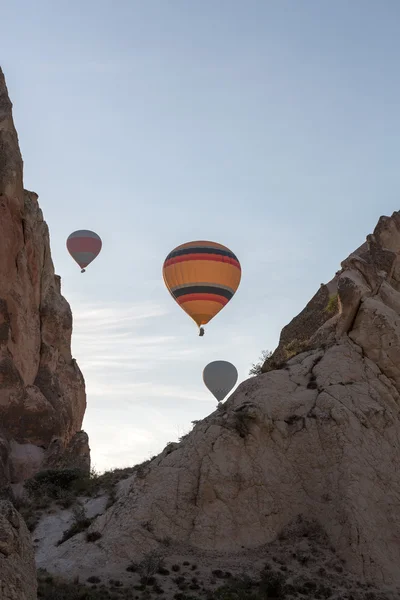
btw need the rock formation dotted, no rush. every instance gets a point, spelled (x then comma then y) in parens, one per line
(17, 565)
(42, 391)
(317, 438)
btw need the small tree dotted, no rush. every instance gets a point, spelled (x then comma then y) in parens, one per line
(256, 367)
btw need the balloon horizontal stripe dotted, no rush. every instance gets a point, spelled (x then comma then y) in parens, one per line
(202, 283)
(204, 257)
(204, 297)
(203, 289)
(201, 250)
(84, 244)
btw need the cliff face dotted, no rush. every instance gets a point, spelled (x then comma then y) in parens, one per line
(42, 391)
(17, 565)
(318, 438)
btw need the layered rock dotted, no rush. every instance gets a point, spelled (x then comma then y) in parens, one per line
(318, 438)
(42, 391)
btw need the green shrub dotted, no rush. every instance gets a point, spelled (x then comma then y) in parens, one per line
(81, 523)
(256, 368)
(294, 347)
(55, 588)
(333, 304)
(150, 564)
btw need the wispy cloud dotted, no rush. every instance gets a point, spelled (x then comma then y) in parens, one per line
(121, 336)
(148, 389)
(134, 396)
(116, 313)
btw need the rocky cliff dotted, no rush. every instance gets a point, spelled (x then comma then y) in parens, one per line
(316, 439)
(42, 391)
(17, 566)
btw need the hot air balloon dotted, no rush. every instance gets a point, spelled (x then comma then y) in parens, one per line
(220, 377)
(202, 277)
(84, 245)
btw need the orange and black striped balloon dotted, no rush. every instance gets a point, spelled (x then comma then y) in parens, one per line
(202, 277)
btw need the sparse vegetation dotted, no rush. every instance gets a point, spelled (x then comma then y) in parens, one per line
(256, 368)
(333, 304)
(93, 536)
(62, 487)
(242, 421)
(81, 523)
(54, 588)
(150, 565)
(52, 486)
(301, 564)
(294, 347)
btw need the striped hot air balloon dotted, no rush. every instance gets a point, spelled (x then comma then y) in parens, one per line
(84, 245)
(202, 277)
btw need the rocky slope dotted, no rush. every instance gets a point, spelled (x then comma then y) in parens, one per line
(42, 391)
(317, 439)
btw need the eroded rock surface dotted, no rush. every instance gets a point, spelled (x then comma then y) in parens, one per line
(17, 564)
(42, 391)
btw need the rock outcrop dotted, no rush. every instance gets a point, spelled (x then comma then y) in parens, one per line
(42, 391)
(17, 564)
(318, 438)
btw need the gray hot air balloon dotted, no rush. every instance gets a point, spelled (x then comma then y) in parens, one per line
(220, 377)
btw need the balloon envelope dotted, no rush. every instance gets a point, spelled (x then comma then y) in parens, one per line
(220, 378)
(84, 245)
(202, 277)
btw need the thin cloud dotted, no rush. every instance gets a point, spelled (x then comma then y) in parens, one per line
(146, 389)
(116, 313)
(138, 383)
(121, 336)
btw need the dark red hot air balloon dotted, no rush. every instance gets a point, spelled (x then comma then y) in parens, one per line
(84, 245)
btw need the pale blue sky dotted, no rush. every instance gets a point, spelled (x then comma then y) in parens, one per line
(272, 127)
